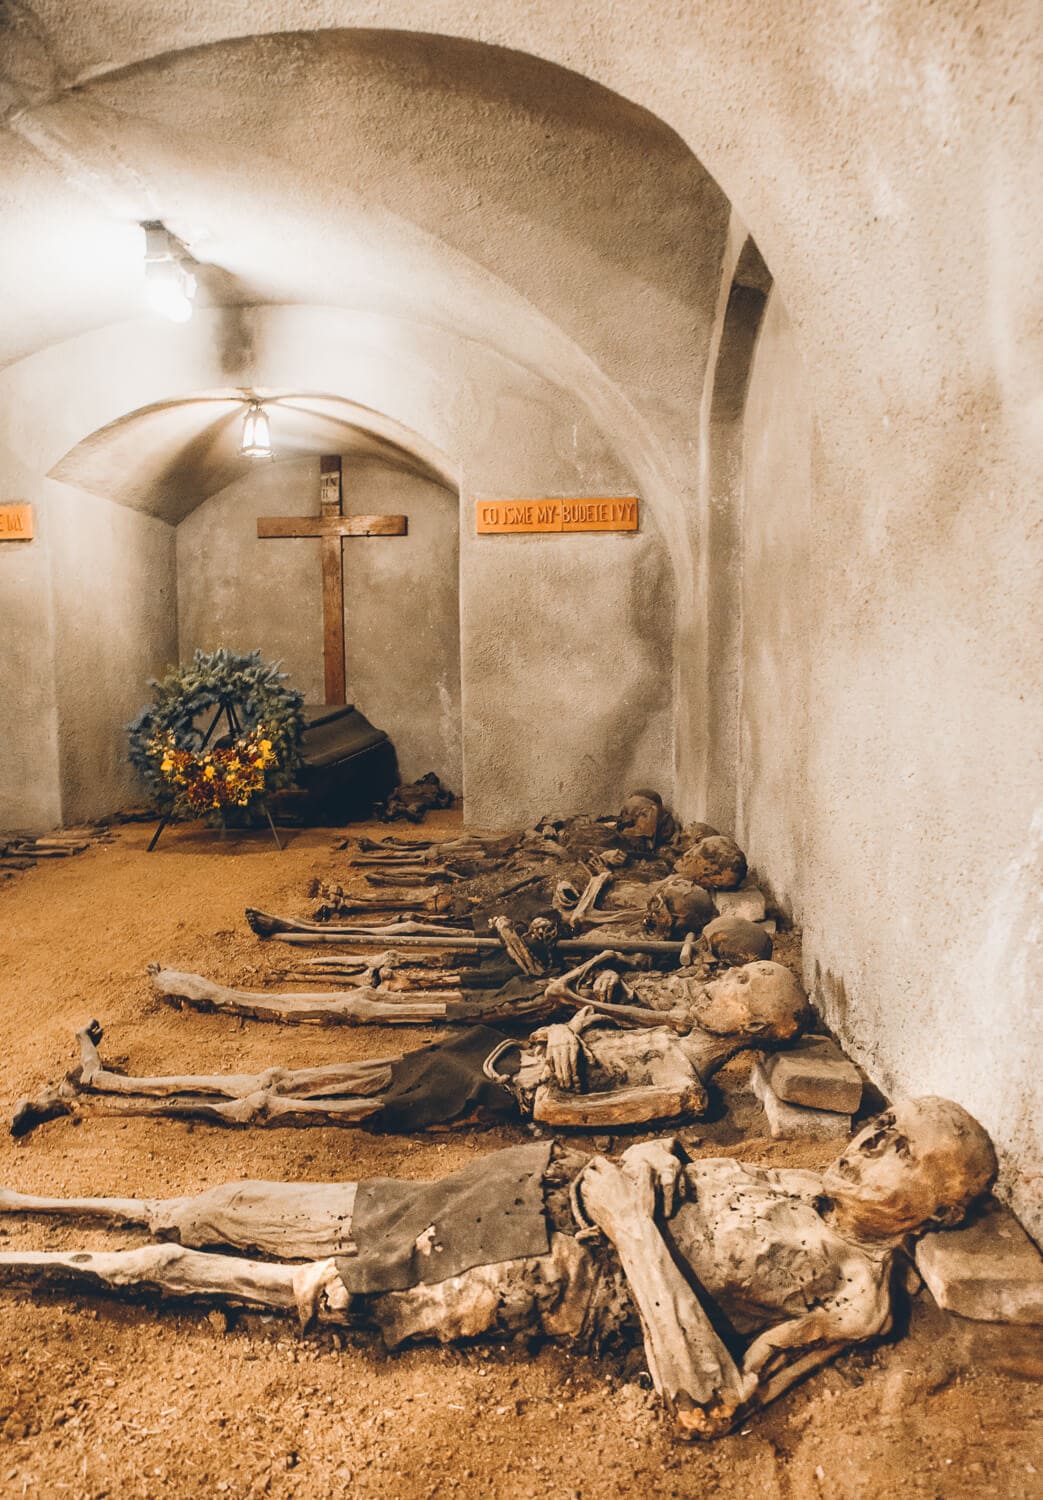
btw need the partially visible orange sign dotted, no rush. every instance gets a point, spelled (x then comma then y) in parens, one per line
(16, 523)
(503, 517)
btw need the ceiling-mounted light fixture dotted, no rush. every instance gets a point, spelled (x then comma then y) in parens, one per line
(169, 284)
(257, 434)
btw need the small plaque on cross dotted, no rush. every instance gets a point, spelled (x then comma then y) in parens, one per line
(331, 526)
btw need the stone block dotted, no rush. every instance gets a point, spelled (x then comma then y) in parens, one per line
(793, 1121)
(815, 1073)
(748, 903)
(989, 1270)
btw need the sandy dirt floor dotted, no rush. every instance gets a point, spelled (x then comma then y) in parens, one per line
(109, 1399)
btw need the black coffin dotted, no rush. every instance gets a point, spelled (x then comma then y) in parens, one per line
(346, 765)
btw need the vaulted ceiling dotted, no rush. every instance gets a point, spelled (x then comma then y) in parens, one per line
(441, 183)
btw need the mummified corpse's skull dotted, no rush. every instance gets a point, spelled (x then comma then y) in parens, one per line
(677, 907)
(643, 821)
(716, 862)
(758, 999)
(733, 940)
(919, 1164)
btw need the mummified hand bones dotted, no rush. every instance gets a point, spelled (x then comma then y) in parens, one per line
(797, 1264)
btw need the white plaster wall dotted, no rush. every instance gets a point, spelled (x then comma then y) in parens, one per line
(779, 607)
(402, 628)
(889, 777)
(115, 627)
(29, 781)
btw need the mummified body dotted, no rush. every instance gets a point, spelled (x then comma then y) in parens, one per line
(586, 1073)
(793, 1265)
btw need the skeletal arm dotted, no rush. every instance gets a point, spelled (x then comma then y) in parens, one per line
(564, 1044)
(691, 1369)
(859, 1309)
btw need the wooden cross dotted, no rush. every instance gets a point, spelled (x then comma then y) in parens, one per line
(332, 526)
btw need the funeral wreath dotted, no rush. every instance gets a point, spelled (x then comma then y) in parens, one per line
(258, 727)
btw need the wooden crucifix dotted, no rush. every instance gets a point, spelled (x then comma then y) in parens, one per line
(331, 525)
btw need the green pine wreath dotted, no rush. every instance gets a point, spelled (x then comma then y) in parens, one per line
(185, 701)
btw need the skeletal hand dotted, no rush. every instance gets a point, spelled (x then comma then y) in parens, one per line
(609, 1198)
(563, 1049)
(605, 985)
(649, 1177)
(658, 1173)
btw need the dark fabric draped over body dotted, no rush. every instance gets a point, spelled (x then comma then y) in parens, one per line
(491, 1211)
(437, 1084)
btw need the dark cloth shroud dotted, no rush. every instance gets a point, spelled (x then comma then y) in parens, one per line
(491, 1211)
(437, 1084)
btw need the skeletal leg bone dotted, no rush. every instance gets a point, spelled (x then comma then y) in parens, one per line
(353, 1007)
(350, 1007)
(295, 1220)
(420, 935)
(261, 1107)
(330, 1080)
(334, 1093)
(266, 926)
(166, 1271)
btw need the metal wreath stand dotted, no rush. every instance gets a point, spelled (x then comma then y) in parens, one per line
(226, 708)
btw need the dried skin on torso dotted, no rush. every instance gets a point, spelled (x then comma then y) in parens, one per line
(757, 1243)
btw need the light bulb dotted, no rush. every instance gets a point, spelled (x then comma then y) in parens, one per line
(257, 436)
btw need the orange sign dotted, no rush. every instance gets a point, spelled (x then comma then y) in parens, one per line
(504, 517)
(16, 523)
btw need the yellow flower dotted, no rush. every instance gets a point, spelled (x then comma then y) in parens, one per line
(209, 773)
(166, 764)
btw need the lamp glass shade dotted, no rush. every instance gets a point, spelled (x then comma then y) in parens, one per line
(257, 435)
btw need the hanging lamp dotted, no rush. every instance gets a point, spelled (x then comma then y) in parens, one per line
(257, 433)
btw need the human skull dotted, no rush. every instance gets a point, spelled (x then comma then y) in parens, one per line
(761, 999)
(918, 1165)
(643, 820)
(716, 862)
(543, 931)
(694, 833)
(733, 940)
(678, 906)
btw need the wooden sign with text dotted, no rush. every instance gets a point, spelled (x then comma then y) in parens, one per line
(16, 523)
(506, 517)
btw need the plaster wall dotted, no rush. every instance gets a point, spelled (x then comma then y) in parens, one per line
(115, 626)
(29, 783)
(568, 645)
(778, 610)
(401, 595)
(889, 770)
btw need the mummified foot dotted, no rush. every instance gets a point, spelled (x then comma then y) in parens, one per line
(50, 1105)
